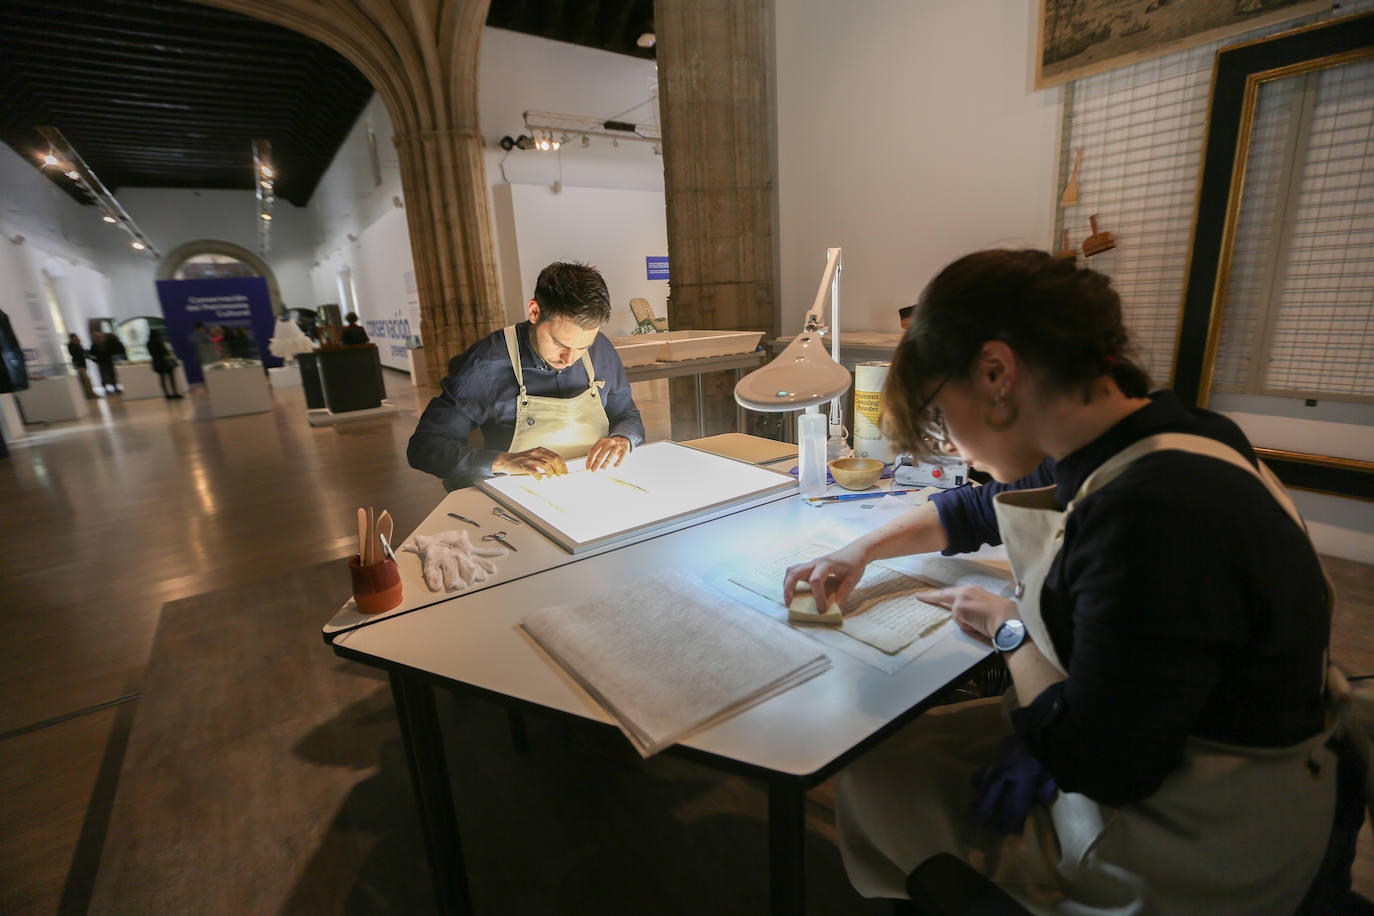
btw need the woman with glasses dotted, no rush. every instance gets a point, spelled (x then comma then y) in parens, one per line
(1162, 748)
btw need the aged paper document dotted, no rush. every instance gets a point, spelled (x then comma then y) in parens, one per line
(883, 610)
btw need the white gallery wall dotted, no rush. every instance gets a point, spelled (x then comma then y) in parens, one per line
(607, 209)
(362, 257)
(522, 73)
(599, 204)
(908, 135)
(46, 232)
(171, 217)
(617, 230)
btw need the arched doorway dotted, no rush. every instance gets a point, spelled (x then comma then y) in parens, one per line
(214, 258)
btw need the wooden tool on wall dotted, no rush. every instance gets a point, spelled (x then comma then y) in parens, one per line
(1070, 196)
(1098, 242)
(1067, 252)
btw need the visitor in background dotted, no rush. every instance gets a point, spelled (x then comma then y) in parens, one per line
(239, 344)
(103, 348)
(353, 334)
(206, 351)
(78, 355)
(116, 347)
(164, 364)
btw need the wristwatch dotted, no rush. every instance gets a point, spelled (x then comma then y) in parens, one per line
(1009, 635)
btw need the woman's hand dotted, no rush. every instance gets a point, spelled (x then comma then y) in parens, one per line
(977, 611)
(831, 577)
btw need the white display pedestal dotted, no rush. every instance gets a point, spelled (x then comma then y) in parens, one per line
(11, 424)
(140, 381)
(53, 399)
(237, 391)
(418, 366)
(284, 376)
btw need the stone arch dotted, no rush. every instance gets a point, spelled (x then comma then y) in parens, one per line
(167, 267)
(422, 59)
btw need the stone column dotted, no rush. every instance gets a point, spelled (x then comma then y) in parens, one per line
(421, 57)
(714, 61)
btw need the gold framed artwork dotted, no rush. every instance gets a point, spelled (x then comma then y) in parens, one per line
(1240, 73)
(1082, 37)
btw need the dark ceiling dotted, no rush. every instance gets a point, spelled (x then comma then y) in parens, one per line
(164, 93)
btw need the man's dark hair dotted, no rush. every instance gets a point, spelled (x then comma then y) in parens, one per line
(574, 291)
(351, 317)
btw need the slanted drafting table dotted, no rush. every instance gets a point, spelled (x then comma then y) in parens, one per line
(658, 487)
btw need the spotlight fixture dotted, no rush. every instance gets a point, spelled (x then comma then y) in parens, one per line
(264, 174)
(507, 143)
(545, 125)
(63, 156)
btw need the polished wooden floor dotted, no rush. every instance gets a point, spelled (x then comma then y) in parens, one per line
(108, 518)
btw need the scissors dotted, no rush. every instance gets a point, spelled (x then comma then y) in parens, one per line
(500, 537)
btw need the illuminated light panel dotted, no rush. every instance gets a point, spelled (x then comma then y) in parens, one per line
(657, 486)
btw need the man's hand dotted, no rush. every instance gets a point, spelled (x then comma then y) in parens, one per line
(540, 462)
(608, 453)
(977, 611)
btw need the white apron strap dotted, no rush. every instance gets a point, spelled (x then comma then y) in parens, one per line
(513, 348)
(594, 384)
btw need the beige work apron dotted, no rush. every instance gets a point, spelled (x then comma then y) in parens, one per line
(1233, 830)
(567, 426)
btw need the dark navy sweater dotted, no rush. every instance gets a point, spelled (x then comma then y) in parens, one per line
(480, 391)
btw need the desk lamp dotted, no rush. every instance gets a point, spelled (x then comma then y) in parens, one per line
(804, 376)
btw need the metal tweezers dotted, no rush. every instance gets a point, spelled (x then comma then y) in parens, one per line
(502, 513)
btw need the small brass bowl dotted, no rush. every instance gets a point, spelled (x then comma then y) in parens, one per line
(856, 473)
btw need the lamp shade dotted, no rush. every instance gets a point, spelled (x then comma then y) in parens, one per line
(803, 375)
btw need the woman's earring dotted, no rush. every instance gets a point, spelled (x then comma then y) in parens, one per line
(1001, 426)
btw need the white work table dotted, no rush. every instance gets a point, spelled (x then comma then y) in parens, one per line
(792, 741)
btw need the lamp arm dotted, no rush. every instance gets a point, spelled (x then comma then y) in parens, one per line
(811, 321)
(834, 267)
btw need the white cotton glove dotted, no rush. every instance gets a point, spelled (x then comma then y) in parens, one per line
(450, 561)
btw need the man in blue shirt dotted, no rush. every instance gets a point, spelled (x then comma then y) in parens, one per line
(542, 391)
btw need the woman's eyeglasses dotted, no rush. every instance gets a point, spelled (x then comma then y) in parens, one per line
(931, 420)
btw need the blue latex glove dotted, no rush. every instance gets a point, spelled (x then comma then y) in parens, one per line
(1007, 790)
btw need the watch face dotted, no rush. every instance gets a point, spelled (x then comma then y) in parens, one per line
(1009, 635)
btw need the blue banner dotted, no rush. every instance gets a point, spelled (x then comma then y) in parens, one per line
(656, 267)
(236, 312)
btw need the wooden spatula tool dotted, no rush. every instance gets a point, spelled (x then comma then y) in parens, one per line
(1068, 252)
(362, 536)
(371, 556)
(1070, 196)
(1098, 242)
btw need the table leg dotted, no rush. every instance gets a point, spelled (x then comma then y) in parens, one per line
(701, 409)
(786, 835)
(739, 408)
(424, 746)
